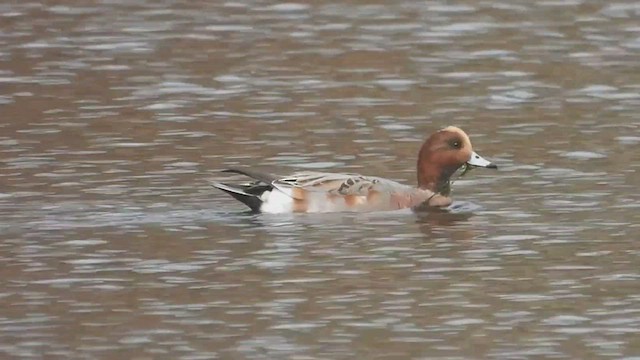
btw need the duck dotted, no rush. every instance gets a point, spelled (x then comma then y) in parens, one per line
(444, 153)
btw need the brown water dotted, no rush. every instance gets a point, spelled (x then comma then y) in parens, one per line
(115, 113)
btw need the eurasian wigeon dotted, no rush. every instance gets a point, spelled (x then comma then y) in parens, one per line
(440, 156)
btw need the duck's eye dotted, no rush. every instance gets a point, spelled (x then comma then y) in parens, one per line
(456, 144)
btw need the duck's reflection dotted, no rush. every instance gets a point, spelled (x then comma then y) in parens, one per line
(433, 221)
(430, 221)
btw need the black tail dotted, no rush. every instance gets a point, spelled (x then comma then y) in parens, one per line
(258, 175)
(242, 193)
(248, 194)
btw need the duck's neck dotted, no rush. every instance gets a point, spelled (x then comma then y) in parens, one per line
(436, 179)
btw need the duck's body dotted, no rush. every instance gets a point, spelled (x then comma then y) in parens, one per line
(317, 192)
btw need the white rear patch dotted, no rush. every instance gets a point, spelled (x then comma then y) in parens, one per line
(276, 202)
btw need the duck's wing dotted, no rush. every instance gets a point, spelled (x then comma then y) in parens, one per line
(330, 183)
(327, 192)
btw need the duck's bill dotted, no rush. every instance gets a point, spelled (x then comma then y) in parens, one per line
(479, 161)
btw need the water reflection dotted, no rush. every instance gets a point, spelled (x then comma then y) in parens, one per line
(114, 115)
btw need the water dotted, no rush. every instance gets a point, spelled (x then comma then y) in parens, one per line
(115, 114)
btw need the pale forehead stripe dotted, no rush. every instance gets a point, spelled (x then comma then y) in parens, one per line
(455, 129)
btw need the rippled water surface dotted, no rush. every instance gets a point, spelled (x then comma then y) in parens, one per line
(114, 114)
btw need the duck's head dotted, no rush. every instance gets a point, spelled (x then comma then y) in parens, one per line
(442, 154)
